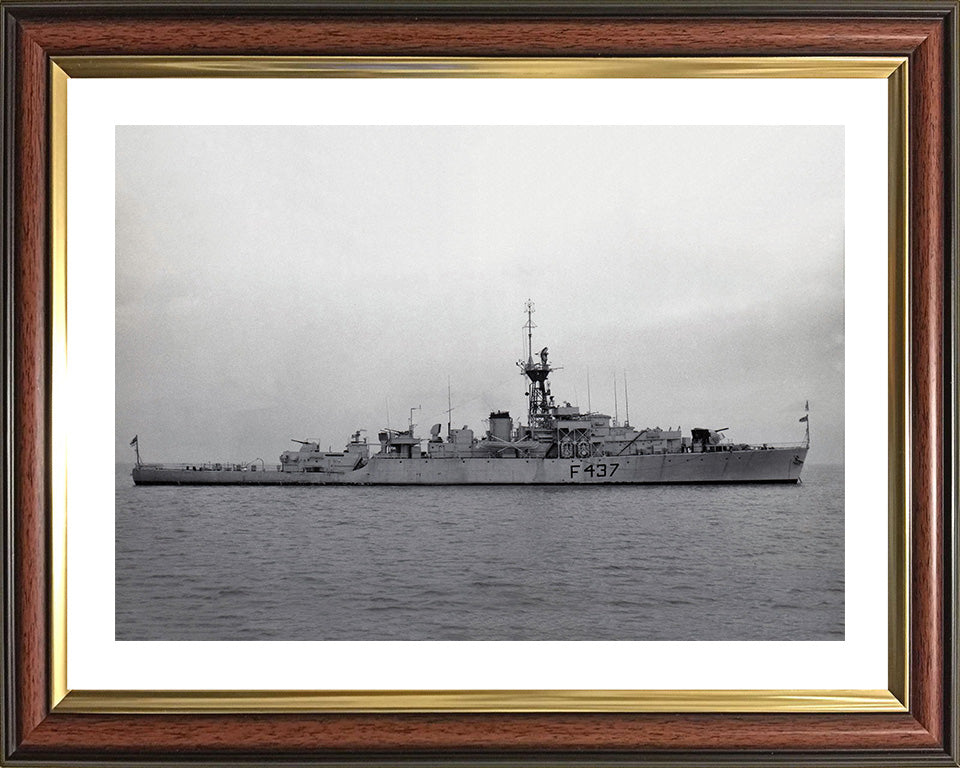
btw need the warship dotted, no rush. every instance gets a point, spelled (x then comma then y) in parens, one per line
(558, 445)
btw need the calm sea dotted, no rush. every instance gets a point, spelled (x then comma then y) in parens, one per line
(474, 563)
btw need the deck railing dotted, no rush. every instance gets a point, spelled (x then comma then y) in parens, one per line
(208, 466)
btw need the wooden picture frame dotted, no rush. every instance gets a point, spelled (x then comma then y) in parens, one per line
(38, 729)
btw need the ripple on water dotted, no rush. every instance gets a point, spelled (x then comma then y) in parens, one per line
(498, 563)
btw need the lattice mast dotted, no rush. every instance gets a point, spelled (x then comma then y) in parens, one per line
(539, 400)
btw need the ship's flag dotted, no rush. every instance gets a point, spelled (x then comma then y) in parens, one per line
(804, 418)
(134, 441)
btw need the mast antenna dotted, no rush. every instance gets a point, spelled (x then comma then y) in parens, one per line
(589, 408)
(449, 406)
(616, 412)
(626, 399)
(530, 326)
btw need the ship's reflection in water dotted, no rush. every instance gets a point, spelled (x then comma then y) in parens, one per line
(745, 562)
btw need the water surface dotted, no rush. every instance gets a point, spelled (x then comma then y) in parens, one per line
(710, 562)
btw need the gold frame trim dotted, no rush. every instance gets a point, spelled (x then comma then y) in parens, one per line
(133, 702)
(893, 69)
(58, 370)
(435, 66)
(898, 383)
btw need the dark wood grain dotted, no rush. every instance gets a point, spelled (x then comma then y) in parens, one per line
(546, 37)
(300, 734)
(30, 382)
(927, 263)
(919, 736)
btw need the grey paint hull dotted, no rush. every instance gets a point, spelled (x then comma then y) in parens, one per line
(776, 465)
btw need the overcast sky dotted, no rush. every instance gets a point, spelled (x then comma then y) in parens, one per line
(302, 282)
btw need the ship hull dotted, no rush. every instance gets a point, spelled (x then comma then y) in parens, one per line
(774, 465)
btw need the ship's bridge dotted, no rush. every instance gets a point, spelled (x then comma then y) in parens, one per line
(399, 445)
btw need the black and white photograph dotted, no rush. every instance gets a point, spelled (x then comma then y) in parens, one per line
(480, 383)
